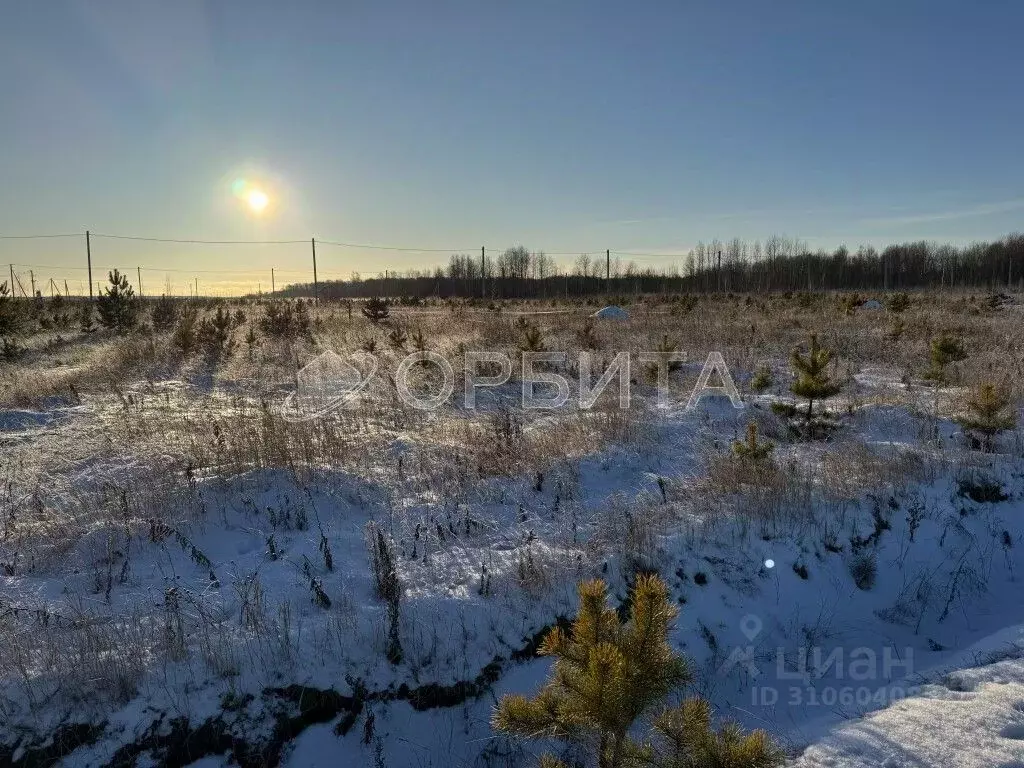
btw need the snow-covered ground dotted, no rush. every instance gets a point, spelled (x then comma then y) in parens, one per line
(970, 716)
(241, 624)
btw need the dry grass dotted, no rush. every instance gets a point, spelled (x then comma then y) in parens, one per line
(131, 460)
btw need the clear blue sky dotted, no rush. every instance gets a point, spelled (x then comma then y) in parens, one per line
(564, 126)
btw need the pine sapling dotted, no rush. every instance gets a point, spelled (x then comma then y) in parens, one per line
(533, 339)
(8, 314)
(945, 349)
(376, 310)
(665, 349)
(751, 449)
(117, 306)
(165, 313)
(184, 338)
(762, 379)
(684, 738)
(608, 674)
(215, 333)
(989, 413)
(87, 318)
(812, 379)
(898, 302)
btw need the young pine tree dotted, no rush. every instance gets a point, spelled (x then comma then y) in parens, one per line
(762, 379)
(87, 318)
(812, 379)
(117, 305)
(666, 347)
(945, 349)
(214, 333)
(376, 310)
(8, 312)
(684, 738)
(165, 313)
(533, 339)
(750, 449)
(607, 674)
(989, 413)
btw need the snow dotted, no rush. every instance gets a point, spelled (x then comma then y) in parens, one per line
(973, 719)
(611, 313)
(871, 304)
(772, 647)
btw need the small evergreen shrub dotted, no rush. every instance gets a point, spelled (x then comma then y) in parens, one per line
(165, 313)
(812, 379)
(762, 379)
(117, 306)
(376, 310)
(989, 414)
(611, 672)
(944, 350)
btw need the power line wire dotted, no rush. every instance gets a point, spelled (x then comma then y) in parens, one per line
(651, 255)
(258, 271)
(394, 247)
(196, 242)
(39, 237)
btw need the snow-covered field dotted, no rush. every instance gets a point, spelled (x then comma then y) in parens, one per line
(186, 578)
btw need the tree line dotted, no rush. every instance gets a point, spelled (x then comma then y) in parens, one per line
(778, 264)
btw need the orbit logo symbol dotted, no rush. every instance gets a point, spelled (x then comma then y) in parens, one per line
(327, 383)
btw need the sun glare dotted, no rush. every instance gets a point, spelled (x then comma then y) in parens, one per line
(257, 200)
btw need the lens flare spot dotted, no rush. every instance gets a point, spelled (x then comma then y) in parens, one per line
(769, 564)
(257, 200)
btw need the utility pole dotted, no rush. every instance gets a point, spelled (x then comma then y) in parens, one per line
(272, 281)
(88, 259)
(138, 270)
(66, 291)
(719, 271)
(32, 280)
(316, 285)
(607, 269)
(483, 272)
(12, 280)
(20, 286)
(197, 288)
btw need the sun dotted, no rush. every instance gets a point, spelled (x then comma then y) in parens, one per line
(257, 200)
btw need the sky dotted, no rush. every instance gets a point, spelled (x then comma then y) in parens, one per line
(568, 127)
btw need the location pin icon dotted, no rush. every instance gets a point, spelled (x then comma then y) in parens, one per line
(750, 626)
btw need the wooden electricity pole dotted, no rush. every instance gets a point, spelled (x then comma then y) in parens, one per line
(316, 285)
(88, 259)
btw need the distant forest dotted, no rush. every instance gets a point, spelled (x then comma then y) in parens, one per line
(780, 264)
